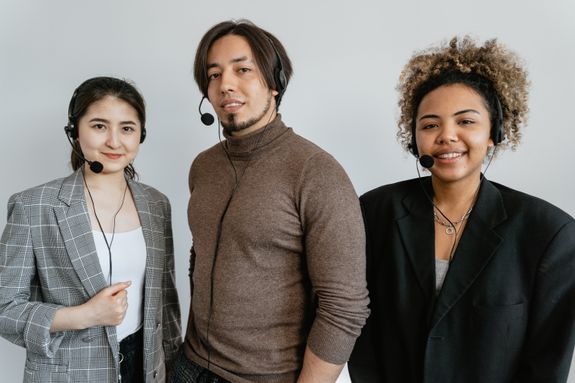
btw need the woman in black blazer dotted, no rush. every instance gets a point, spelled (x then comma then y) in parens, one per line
(469, 280)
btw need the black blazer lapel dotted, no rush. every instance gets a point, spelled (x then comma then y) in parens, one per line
(477, 246)
(76, 230)
(416, 230)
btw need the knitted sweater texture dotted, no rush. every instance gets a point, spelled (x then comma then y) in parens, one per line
(282, 267)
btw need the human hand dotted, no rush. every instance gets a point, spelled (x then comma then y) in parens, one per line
(108, 307)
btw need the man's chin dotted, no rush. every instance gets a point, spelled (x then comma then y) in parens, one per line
(232, 125)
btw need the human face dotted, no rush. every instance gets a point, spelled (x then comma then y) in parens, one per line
(236, 87)
(453, 126)
(109, 132)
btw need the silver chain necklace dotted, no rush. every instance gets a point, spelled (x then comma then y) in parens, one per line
(449, 228)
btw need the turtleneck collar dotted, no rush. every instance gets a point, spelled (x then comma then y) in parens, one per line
(254, 142)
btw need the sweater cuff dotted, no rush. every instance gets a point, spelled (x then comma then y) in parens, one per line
(37, 335)
(330, 343)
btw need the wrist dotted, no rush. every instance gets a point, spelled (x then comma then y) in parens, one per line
(69, 318)
(85, 317)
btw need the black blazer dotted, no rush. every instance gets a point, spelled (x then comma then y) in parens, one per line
(506, 312)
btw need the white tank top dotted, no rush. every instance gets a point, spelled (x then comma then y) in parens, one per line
(128, 264)
(441, 267)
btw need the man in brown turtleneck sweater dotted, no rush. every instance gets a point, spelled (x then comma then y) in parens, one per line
(278, 260)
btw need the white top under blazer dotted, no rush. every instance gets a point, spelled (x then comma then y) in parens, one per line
(128, 264)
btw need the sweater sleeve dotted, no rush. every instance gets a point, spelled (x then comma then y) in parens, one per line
(23, 321)
(335, 256)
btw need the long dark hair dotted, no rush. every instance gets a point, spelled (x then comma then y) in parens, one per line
(93, 90)
(268, 51)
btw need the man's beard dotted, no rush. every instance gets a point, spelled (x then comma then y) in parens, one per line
(231, 125)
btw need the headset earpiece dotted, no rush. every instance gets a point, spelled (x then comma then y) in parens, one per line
(70, 130)
(280, 77)
(413, 144)
(497, 132)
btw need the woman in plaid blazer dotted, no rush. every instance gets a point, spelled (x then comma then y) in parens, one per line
(86, 262)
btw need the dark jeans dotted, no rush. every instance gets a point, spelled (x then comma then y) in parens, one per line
(186, 371)
(132, 358)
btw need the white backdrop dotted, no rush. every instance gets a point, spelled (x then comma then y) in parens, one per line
(347, 57)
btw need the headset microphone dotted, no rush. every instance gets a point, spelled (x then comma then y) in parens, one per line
(207, 118)
(95, 166)
(426, 161)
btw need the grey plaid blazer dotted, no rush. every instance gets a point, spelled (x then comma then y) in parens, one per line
(48, 260)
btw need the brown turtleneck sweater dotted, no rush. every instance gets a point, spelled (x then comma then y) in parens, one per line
(289, 266)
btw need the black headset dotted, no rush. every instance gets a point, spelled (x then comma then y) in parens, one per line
(280, 80)
(280, 77)
(497, 133)
(72, 130)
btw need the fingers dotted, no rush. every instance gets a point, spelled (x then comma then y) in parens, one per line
(109, 306)
(119, 307)
(115, 303)
(122, 299)
(118, 288)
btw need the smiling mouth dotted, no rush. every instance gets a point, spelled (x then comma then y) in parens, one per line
(112, 156)
(449, 156)
(231, 107)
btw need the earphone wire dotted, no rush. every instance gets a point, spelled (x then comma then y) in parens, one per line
(457, 233)
(220, 222)
(108, 244)
(223, 146)
(435, 207)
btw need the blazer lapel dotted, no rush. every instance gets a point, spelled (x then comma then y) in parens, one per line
(148, 225)
(416, 231)
(477, 246)
(76, 230)
(152, 229)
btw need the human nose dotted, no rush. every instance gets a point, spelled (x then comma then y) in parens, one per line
(113, 138)
(228, 81)
(447, 133)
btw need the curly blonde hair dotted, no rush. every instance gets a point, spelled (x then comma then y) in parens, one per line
(501, 71)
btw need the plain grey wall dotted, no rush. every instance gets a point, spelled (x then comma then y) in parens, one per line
(347, 58)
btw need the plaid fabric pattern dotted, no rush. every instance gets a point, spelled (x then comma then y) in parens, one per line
(48, 260)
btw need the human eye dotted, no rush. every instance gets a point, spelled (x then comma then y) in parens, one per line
(244, 70)
(99, 126)
(128, 129)
(466, 121)
(213, 76)
(428, 125)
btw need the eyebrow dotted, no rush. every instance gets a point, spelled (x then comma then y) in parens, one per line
(130, 122)
(233, 61)
(455, 114)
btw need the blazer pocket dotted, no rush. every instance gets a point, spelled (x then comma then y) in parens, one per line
(500, 327)
(498, 333)
(40, 372)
